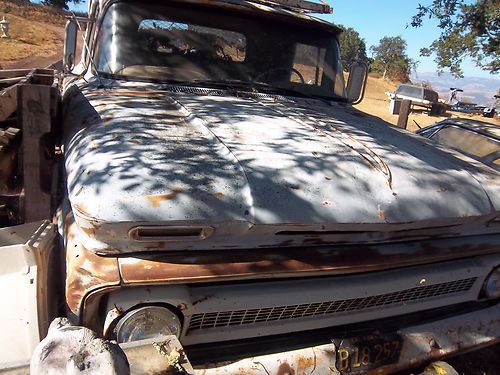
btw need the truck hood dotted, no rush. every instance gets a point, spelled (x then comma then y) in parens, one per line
(237, 162)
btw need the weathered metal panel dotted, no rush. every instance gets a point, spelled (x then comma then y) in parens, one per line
(422, 344)
(290, 262)
(236, 163)
(27, 289)
(258, 7)
(85, 271)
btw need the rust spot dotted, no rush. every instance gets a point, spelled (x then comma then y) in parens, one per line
(88, 231)
(441, 190)
(327, 203)
(79, 191)
(118, 310)
(381, 214)
(87, 271)
(182, 306)
(305, 365)
(155, 200)
(218, 195)
(156, 246)
(285, 369)
(206, 298)
(135, 141)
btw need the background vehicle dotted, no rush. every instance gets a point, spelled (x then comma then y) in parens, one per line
(419, 96)
(477, 139)
(212, 183)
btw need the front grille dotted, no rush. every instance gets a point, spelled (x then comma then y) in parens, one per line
(269, 314)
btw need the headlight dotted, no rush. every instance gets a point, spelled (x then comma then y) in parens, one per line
(147, 322)
(491, 287)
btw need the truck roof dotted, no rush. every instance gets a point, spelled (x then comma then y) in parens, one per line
(297, 9)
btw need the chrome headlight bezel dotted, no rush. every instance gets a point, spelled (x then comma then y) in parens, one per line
(491, 286)
(164, 321)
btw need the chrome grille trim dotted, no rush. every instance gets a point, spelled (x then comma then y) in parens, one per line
(279, 313)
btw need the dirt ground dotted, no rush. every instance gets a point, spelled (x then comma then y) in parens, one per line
(36, 36)
(376, 103)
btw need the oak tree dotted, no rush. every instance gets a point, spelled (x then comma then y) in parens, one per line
(468, 29)
(391, 59)
(352, 47)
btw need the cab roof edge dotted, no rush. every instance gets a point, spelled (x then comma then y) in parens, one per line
(300, 6)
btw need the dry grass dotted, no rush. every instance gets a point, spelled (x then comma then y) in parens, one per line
(33, 12)
(376, 103)
(34, 31)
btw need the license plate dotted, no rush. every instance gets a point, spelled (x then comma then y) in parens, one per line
(360, 354)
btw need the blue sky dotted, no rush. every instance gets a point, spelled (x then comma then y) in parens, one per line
(376, 19)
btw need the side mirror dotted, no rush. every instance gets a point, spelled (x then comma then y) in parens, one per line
(70, 45)
(356, 84)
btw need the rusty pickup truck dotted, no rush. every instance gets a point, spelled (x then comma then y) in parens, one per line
(212, 182)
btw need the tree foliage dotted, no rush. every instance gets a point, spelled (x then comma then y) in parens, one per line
(468, 29)
(391, 60)
(61, 4)
(352, 47)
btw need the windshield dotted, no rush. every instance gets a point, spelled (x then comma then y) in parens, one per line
(203, 45)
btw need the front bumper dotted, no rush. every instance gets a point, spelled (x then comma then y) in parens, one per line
(421, 344)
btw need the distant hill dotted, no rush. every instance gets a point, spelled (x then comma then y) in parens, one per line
(478, 90)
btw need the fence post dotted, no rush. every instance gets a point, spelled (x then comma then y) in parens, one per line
(404, 112)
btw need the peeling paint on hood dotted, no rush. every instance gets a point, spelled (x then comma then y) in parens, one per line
(138, 154)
